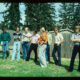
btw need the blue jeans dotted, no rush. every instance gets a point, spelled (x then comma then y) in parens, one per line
(57, 49)
(5, 48)
(25, 46)
(16, 47)
(76, 50)
(47, 54)
(41, 55)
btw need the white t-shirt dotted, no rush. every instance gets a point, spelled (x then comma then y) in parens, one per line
(58, 37)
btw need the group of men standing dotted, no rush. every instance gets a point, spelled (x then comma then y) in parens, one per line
(40, 44)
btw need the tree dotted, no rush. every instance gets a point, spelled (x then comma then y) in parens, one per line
(12, 16)
(67, 15)
(77, 14)
(39, 15)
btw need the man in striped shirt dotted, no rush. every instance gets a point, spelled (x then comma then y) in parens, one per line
(16, 46)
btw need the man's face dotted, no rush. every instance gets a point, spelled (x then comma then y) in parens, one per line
(17, 30)
(4, 30)
(56, 31)
(40, 30)
(77, 29)
(26, 29)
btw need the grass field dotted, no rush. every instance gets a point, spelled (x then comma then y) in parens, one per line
(22, 68)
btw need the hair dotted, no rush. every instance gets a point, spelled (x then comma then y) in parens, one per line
(26, 27)
(78, 27)
(35, 31)
(43, 29)
(56, 28)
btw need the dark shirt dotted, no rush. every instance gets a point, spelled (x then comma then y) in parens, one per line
(5, 37)
(17, 36)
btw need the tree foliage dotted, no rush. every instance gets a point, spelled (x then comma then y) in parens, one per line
(39, 15)
(12, 16)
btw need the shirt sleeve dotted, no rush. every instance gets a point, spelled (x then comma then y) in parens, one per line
(30, 35)
(14, 35)
(38, 36)
(0, 38)
(45, 39)
(22, 36)
(40, 40)
(9, 37)
(72, 37)
(61, 36)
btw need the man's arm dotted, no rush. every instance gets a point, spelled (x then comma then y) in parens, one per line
(62, 40)
(75, 40)
(9, 37)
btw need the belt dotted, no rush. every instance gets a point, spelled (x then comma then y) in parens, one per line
(56, 45)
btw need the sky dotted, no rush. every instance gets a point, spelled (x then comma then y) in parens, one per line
(22, 8)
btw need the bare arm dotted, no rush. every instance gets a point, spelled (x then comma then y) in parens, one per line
(75, 40)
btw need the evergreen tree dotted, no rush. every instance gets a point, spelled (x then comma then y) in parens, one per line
(77, 14)
(67, 15)
(12, 16)
(39, 15)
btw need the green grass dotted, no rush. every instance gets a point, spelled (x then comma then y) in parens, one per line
(22, 68)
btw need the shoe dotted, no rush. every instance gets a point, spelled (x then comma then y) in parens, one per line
(43, 66)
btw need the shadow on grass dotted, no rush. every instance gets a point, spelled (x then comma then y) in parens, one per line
(67, 67)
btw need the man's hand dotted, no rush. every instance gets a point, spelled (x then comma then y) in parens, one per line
(78, 40)
(42, 42)
(58, 44)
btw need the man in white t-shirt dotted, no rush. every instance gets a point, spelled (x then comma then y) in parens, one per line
(25, 42)
(57, 46)
(34, 45)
